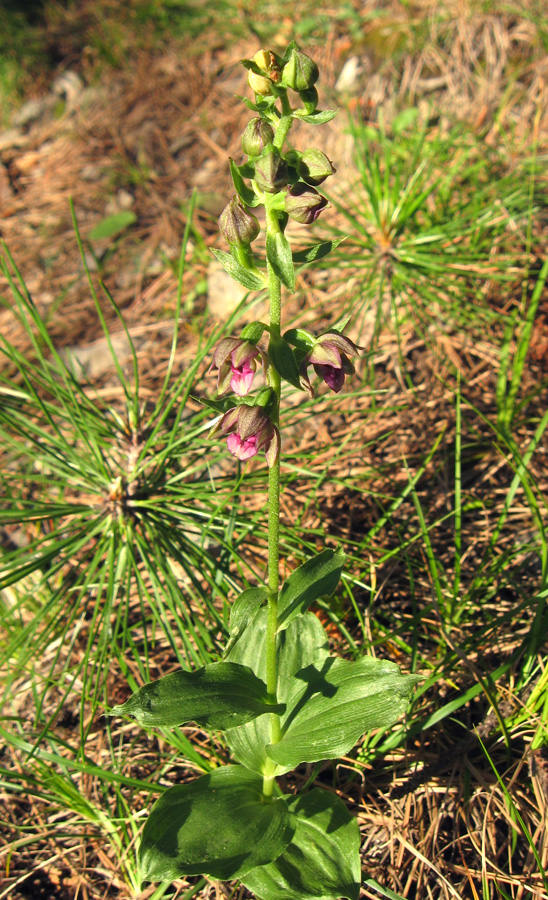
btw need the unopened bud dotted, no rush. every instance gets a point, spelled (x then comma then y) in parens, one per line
(257, 136)
(304, 204)
(300, 73)
(238, 225)
(310, 100)
(314, 166)
(271, 171)
(268, 64)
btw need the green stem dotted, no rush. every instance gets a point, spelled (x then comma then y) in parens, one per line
(285, 123)
(275, 293)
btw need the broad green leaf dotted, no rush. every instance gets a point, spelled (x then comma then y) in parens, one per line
(220, 695)
(322, 862)
(278, 251)
(283, 359)
(243, 611)
(112, 225)
(317, 577)
(303, 643)
(252, 280)
(317, 118)
(317, 251)
(334, 703)
(242, 189)
(217, 825)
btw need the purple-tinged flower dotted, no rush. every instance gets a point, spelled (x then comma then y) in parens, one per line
(236, 361)
(330, 358)
(303, 203)
(237, 224)
(249, 429)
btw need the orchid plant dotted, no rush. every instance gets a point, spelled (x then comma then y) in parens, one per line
(278, 696)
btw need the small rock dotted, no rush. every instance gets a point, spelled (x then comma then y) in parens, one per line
(181, 143)
(6, 190)
(223, 293)
(91, 262)
(125, 278)
(12, 138)
(207, 173)
(27, 161)
(33, 110)
(349, 75)
(92, 360)
(124, 199)
(91, 172)
(68, 85)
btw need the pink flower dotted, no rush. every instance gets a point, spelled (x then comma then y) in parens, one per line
(236, 361)
(248, 430)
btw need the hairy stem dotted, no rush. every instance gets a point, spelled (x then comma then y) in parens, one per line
(285, 123)
(275, 293)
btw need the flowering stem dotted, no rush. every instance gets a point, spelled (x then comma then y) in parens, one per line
(285, 122)
(275, 293)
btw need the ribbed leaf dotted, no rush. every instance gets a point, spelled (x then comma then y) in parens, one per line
(278, 251)
(220, 695)
(283, 359)
(217, 825)
(334, 703)
(322, 862)
(317, 251)
(253, 281)
(317, 577)
(243, 611)
(317, 118)
(303, 643)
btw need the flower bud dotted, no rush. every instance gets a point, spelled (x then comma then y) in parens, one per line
(256, 137)
(268, 63)
(271, 170)
(314, 166)
(300, 73)
(304, 204)
(310, 100)
(238, 225)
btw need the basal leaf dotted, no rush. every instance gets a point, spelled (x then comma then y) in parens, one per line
(322, 861)
(300, 645)
(317, 577)
(217, 825)
(252, 280)
(278, 251)
(220, 695)
(317, 251)
(334, 703)
(243, 611)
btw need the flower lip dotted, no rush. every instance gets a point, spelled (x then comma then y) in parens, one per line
(248, 430)
(235, 359)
